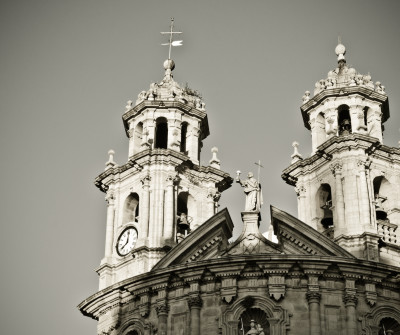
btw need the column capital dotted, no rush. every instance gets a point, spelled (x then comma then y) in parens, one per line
(300, 190)
(313, 296)
(337, 168)
(350, 299)
(110, 198)
(172, 179)
(145, 181)
(195, 301)
(162, 308)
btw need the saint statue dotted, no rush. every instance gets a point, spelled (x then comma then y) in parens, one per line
(253, 329)
(252, 189)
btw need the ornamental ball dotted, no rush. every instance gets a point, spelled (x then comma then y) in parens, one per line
(169, 64)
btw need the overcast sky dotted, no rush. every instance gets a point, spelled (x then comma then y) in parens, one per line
(67, 69)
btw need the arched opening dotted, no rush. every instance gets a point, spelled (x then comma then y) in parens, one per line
(183, 219)
(253, 321)
(184, 128)
(381, 190)
(389, 326)
(131, 208)
(138, 135)
(161, 138)
(344, 120)
(324, 200)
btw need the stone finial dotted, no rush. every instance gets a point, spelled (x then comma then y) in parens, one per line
(296, 155)
(215, 162)
(110, 163)
(340, 51)
(128, 106)
(306, 97)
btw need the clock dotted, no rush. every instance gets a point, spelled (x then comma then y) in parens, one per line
(126, 241)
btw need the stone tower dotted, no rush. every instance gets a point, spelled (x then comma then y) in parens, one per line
(162, 193)
(349, 188)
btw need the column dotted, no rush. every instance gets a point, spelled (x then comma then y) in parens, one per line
(364, 197)
(301, 196)
(162, 313)
(350, 301)
(339, 205)
(194, 144)
(145, 208)
(210, 204)
(169, 209)
(195, 303)
(314, 138)
(314, 298)
(110, 223)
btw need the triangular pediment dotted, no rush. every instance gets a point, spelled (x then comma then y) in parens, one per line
(203, 243)
(296, 237)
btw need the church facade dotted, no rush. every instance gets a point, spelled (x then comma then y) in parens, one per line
(169, 266)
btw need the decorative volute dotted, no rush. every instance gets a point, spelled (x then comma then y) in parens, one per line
(344, 103)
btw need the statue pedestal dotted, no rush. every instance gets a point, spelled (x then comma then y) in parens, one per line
(251, 221)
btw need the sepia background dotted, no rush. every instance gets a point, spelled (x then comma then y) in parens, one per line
(67, 69)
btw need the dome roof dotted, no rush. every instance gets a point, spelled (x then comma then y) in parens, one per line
(169, 90)
(344, 76)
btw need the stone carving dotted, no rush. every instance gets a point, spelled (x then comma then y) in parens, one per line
(343, 76)
(276, 287)
(255, 329)
(306, 97)
(350, 299)
(300, 190)
(370, 294)
(331, 124)
(336, 168)
(145, 181)
(252, 189)
(162, 308)
(195, 301)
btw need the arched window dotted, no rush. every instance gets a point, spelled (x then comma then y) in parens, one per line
(382, 192)
(161, 138)
(324, 201)
(186, 205)
(138, 135)
(344, 120)
(131, 209)
(184, 127)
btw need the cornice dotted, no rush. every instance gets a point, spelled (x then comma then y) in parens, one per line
(335, 145)
(181, 162)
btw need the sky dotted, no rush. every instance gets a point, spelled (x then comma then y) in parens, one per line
(67, 69)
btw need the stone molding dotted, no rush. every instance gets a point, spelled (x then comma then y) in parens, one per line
(350, 299)
(162, 308)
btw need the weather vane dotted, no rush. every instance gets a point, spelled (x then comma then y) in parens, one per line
(171, 43)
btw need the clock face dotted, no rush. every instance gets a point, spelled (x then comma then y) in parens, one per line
(127, 241)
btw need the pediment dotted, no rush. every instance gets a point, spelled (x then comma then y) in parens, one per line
(296, 237)
(203, 243)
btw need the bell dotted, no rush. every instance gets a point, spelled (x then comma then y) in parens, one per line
(183, 221)
(327, 221)
(380, 214)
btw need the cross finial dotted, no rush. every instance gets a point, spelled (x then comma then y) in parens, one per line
(171, 43)
(259, 166)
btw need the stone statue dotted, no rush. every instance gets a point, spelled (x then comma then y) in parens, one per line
(253, 329)
(252, 189)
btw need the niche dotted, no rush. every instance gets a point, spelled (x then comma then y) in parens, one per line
(161, 138)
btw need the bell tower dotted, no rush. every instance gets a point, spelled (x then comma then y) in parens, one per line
(162, 193)
(348, 189)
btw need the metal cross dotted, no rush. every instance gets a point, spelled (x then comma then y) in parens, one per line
(171, 42)
(259, 166)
